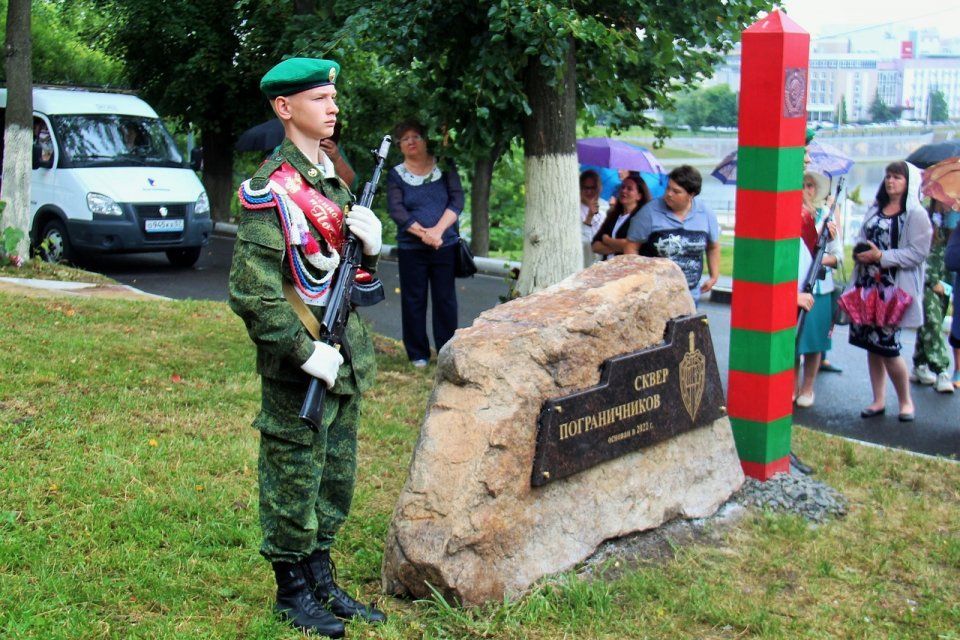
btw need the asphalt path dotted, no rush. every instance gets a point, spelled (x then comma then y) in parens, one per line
(839, 397)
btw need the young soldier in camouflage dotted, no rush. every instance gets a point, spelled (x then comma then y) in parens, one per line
(288, 247)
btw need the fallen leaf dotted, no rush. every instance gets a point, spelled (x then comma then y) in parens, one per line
(176, 378)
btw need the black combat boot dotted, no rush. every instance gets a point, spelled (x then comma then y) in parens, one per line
(320, 573)
(296, 604)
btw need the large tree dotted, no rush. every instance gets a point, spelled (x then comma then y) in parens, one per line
(18, 130)
(526, 68)
(200, 61)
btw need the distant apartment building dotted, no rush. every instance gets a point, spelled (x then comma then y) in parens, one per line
(903, 73)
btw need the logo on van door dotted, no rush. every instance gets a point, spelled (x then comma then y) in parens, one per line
(151, 182)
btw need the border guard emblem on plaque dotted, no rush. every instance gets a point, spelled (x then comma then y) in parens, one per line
(692, 378)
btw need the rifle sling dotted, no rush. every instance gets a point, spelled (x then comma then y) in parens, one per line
(309, 321)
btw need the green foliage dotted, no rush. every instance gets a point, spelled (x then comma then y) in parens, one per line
(471, 59)
(712, 107)
(63, 51)
(507, 200)
(189, 66)
(879, 111)
(10, 237)
(939, 110)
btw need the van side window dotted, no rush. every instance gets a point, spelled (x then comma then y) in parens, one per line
(41, 136)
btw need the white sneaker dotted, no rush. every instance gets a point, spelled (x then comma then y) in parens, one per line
(944, 383)
(923, 375)
(804, 400)
(420, 364)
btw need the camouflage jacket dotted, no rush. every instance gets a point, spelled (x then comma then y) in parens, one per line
(260, 265)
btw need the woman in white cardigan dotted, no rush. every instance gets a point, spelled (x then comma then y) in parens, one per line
(892, 248)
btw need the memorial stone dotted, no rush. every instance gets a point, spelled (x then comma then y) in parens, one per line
(477, 519)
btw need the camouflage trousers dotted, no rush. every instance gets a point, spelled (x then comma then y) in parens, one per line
(306, 478)
(931, 348)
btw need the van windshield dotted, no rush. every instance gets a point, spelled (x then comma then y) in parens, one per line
(110, 140)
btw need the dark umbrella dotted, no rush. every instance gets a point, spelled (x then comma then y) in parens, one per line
(824, 159)
(266, 136)
(931, 154)
(726, 171)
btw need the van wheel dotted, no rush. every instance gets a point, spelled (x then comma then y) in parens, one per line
(183, 257)
(54, 245)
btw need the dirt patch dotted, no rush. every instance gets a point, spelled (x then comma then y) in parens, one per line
(108, 291)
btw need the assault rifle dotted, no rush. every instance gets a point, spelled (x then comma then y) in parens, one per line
(817, 271)
(334, 321)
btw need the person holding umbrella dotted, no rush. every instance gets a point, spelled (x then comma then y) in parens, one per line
(679, 227)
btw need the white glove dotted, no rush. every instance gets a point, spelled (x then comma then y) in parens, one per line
(365, 225)
(323, 363)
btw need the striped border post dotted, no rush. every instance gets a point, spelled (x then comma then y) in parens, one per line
(772, 127)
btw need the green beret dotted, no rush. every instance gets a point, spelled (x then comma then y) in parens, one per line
(298, 74)
(810, 134)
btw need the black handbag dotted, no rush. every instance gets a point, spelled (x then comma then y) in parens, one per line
(464, 266)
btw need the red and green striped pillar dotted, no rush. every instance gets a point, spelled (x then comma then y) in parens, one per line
(772, 126)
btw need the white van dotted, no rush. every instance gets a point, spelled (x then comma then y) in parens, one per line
(108, 178)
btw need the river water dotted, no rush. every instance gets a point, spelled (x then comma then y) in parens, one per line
(722, 197)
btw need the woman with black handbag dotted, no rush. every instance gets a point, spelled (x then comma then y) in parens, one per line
(890, 252)
(425, 201)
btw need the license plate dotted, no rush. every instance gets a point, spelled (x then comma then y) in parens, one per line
(154, 226)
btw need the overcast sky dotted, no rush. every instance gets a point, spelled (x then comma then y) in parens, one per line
(830, 17)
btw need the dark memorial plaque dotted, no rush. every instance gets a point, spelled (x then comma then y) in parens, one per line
(643, 398)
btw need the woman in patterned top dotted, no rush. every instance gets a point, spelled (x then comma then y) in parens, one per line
(425, 201)
(892, 246)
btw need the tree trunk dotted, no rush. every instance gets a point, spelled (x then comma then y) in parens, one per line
(18, 135)
(551, 243)
(480, 204)
(218, 173)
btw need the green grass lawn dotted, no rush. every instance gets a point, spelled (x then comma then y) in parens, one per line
(128, 508)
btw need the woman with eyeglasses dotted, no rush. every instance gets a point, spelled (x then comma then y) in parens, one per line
(425, 202)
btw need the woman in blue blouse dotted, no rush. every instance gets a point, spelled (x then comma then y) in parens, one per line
(425, 202)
